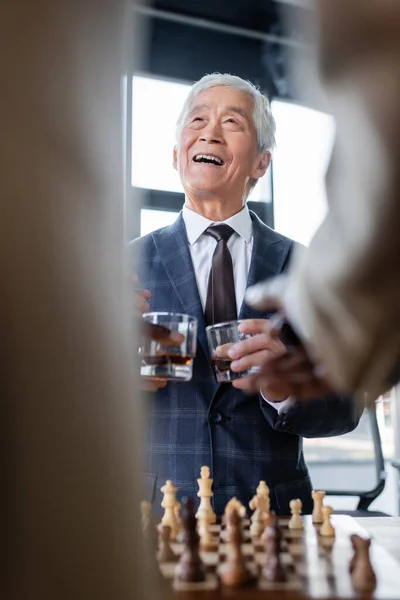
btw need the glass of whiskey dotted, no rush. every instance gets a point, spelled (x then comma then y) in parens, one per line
(221, 337)
(174, 363)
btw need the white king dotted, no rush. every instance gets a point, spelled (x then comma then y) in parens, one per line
(205, 494)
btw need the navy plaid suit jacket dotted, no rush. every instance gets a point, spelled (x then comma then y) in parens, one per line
(241, 438)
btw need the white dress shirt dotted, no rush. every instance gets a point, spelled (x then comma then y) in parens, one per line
(202, 248)
(240, 245)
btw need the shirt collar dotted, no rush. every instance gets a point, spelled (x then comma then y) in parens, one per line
(197, 224)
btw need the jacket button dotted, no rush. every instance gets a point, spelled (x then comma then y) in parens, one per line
(287, 426)
(215, 417)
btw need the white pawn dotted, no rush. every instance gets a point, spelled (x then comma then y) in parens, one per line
(296, 522)
(263, 491)
(205, 494)
(177, 510)
(177, 513)
(169, 503)
(318, 497)
(327, 529)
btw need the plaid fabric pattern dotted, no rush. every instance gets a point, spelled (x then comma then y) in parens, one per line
(241, 438)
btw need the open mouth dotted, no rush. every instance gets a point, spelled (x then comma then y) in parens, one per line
(209, 159)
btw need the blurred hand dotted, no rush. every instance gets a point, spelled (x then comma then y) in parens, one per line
(291, 374)
(284, 371)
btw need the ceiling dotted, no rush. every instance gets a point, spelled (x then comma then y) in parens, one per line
(264, 16)
(254, 39)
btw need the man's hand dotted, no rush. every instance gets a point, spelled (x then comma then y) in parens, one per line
(253, 352)
(161, 334)
(140, 298)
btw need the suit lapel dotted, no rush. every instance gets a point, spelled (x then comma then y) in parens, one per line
(268, 258)
(173, 249)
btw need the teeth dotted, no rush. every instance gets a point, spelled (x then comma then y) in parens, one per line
(209, 157)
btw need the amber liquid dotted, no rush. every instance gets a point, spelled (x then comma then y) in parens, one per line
(166, 359)
(222, 364)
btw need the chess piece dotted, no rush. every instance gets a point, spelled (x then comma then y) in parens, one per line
(233, 520)
(148, 528)
(327, 529)
(165, 552)
(177, 511)
(260, 505)
(296, 522)
(272, 569)
(168, 503)
(363, 577)
(205, 494)
(190, 568)
(234, 505)
(234, 571)
(270, 520)
(263, 492)
(318, 497)
(203, 528)
(177, 514)
(256, 528)
(145, 513)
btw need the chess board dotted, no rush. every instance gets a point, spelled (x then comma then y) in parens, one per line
(315, 567)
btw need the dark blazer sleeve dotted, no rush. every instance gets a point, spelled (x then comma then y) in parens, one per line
(321, 417)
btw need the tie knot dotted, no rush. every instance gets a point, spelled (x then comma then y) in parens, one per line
(220, 232)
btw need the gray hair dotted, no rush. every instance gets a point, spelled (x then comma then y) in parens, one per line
(263, 120)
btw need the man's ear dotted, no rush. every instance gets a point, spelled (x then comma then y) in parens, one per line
(175, 159)
(261, 165)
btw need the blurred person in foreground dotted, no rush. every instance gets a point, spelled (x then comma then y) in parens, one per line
(342, 297)
(70, 415)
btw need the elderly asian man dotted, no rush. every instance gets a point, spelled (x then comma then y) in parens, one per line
(225, 135)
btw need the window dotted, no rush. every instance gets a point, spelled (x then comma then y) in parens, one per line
(156, 105)
(150, 220)
(155, 108)
(304, 140)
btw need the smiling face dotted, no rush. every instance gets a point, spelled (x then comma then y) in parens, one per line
(217, 155)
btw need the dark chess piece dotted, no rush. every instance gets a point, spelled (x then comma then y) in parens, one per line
(363, 577)
(233, 526)
(190, 568)
(272, 569)
(234, 571)
(165, 552)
